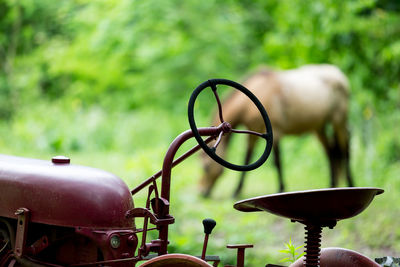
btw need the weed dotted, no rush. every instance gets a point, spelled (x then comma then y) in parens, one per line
(291, 251)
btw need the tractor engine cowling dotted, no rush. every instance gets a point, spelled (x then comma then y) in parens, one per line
(73, 214)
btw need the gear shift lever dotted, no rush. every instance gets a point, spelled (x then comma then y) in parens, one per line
(209, 225)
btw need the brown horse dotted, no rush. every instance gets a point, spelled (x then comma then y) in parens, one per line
(303, 100)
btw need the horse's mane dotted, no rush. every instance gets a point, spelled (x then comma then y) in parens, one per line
(262, 70)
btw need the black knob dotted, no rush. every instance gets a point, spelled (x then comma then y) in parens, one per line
(209, 225)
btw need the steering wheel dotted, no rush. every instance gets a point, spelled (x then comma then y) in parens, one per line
(227, 128)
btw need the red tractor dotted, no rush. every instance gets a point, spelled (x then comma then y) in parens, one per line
(53, 213)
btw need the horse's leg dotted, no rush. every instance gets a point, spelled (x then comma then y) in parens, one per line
(277, 161)
(212, 170)
(347, 163)
(343, 143)
(250, 149)
(330, 152)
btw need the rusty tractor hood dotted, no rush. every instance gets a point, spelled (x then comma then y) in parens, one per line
(59, 193)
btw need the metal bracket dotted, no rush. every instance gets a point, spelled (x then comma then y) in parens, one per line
(38, 246)
(22, 231)
(142, 212)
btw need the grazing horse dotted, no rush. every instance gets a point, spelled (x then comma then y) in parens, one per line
(303, 100)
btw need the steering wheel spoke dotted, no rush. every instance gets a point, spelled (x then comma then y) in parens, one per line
(218, 140)
(264, 135)
(214, 89)
(226, 127)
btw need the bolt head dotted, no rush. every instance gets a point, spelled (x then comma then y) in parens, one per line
(60, 160)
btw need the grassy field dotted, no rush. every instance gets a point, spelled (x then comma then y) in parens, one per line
(136, 152)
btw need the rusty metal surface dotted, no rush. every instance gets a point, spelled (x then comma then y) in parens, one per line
(127, 245)
(176, 260)
(63, 194)
(334, 257)
(319, 205)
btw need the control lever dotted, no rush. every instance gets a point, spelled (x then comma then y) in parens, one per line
(209, 225)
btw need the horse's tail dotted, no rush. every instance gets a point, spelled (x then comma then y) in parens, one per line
(341, 85)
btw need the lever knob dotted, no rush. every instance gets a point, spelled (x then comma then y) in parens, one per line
(209, 225)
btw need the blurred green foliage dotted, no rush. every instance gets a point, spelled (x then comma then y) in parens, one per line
(100, 77)
(126, 56)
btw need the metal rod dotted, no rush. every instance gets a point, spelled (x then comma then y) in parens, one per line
(203, 253)
(176, 162)
(214, 89)
(141, 230)
(166, 174)
(249, 132)
(240, 257)
(145, 223)
(218, 140)
(173, 148)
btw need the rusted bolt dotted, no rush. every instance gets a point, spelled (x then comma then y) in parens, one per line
(19, 212)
